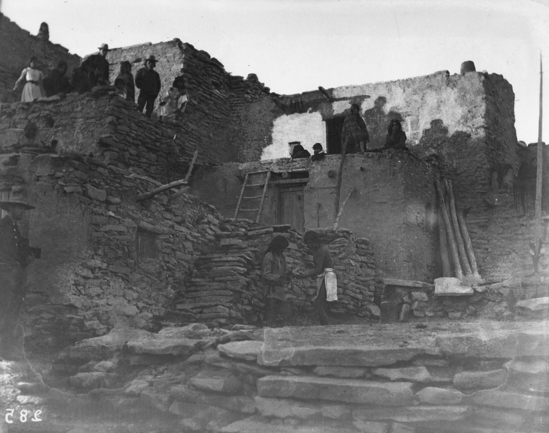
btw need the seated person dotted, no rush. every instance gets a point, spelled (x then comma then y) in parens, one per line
(56, 82)
(120, 86)
(396, 137)
(318, 152)
(174, 103)
(299, 152)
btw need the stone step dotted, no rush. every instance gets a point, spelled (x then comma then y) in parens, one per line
(333, 389)
(257, 425)
(351, 346)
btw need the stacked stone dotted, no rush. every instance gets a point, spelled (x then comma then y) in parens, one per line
(226, 285)
(98, 271)
(302, 379)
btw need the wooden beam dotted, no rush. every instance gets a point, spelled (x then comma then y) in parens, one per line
(160, 189)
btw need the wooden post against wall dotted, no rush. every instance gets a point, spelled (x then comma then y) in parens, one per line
(452, 247)
(539, 157)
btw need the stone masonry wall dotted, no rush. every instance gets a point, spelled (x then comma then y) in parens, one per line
(212, 119)
(17, 47)
(226, 284)
(105, 257)
(101, 124)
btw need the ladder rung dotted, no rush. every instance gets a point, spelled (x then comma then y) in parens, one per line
(248, 210)
(252, 196)
(256, 184)
(257, 172)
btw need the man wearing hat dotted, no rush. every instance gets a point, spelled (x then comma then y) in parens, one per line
(15, 255)
(96, 67)
(147, 81)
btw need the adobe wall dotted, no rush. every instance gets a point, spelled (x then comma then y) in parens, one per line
(216, 115)
(393, 206)
(454, 117)
(17, 47)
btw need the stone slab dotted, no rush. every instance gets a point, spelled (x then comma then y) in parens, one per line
(449, 286)
(246, 350)
(439, 396)
(406, 283)
(413, 413)
(341, 390)
(281, 408)
(535, 304)
(103, 347)
(412, 374)
(480, 379)
(164, 346)
(343, 372)
(255, 425)
(352, 346)
(511, 400)
(487, 341)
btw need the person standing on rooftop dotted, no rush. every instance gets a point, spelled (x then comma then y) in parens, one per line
(33, 78)
(354, 135)
(147, 81)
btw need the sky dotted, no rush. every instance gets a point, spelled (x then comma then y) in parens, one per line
(297, 45)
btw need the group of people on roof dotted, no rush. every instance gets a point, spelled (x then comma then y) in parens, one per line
(354, 137)
(94, 71)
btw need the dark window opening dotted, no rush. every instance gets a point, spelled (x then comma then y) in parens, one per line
(334, 127)
(146, 245)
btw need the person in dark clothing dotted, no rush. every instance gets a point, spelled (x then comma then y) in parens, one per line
(148, 81)
(56, 82)
(354, 135)
(318, 152)
(299, 152)
(96, 67)
(275, 276)
(396, 137)
(15, 256)
(126, 75)
(324, 272)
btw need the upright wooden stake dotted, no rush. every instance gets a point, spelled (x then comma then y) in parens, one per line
(451, 239)
(539, 157)
(459, 240)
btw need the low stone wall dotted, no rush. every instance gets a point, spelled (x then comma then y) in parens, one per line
(475, 377)
(226, 282)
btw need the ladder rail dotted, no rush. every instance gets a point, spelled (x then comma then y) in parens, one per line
(240, 198)
(267, 179)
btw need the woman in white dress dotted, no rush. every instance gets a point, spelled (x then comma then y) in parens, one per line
(32, 77)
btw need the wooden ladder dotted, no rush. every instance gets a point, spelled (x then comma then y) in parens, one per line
(263, 181)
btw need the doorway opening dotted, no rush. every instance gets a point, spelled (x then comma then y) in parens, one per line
(334, 127)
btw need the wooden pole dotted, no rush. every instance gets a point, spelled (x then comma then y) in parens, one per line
(187, 177)
(455, 225)
(539, 157)
(158, 190)
(451, 239)
(336, 223)
(339, 181)
(468, 244)
(446, 267)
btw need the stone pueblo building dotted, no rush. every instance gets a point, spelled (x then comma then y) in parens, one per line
(120, 250)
